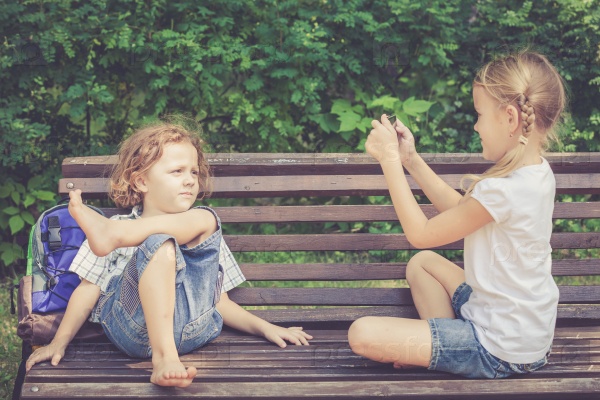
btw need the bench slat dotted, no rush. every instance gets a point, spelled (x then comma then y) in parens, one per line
(326, 315)
(231, 164)
(357, 213)
(380, 271)
(375, 241)
(366, 389)
(319, 185)
(324, 296)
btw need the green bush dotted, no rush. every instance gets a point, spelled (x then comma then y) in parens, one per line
(265, 76)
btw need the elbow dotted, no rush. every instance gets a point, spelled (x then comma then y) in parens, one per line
(417, 241)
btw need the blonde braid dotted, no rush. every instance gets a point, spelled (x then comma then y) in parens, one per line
(527, 117)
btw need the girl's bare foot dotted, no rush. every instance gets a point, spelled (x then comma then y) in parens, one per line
(96, 227)
(171, 373)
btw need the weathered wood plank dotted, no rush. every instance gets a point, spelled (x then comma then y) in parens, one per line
(231, 164)
(320, 185)
(353, 213)
(327, 315)
(375, 241)
(324, 296)
(283, 374)
(362, 389)
(381, 271)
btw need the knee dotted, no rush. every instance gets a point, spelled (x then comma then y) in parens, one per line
(415, 265)
(166, 251)
(360, 334)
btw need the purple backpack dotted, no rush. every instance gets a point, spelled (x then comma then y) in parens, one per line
(53, 243)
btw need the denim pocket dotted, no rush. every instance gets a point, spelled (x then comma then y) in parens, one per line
(200, 331)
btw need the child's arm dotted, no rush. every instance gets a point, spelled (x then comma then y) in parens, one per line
(441, 195)
(449, 226)
(104, 235)
(80, 306)
(236, 317)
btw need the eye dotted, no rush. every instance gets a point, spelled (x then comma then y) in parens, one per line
(195, 172)
(176, 171)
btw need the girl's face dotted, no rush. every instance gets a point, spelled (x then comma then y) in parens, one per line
(492, 125)
(171, 184)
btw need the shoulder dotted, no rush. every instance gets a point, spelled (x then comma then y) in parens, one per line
(204, 214)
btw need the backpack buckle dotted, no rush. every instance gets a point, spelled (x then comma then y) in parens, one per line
(54, 239)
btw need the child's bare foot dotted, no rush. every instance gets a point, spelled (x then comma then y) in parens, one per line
(95, 226)
(172, 373)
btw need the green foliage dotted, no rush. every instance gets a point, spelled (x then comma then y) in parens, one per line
(20, 206)
(266, 75)
(10, 346)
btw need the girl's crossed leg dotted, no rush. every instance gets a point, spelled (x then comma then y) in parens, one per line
(407, 342)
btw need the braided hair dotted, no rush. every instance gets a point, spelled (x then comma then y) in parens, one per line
(528, 81)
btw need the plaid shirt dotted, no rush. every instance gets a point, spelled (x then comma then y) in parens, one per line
(100, 270)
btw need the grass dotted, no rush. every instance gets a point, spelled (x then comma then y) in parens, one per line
(10, 345)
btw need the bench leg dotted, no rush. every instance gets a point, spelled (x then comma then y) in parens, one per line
(25, 353)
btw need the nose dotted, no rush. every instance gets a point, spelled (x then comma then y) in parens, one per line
(189, 179)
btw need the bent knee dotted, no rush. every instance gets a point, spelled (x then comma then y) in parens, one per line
(415, 264)
(361, 334)
(166, 251)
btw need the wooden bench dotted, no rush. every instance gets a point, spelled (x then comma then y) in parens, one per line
(351, 264)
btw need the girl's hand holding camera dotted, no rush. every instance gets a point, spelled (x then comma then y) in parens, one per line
(389, 142)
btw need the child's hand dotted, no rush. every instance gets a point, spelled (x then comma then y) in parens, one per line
(54, 352)
(382, 143)
(406, 142)
(279, 335)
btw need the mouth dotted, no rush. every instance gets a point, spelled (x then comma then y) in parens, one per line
(187, 194)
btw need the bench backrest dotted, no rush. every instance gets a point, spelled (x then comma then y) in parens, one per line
(333, 245)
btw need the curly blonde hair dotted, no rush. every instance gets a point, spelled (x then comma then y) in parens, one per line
(142, 150)
(528, 81)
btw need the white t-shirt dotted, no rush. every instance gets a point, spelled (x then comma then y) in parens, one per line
(508, 264)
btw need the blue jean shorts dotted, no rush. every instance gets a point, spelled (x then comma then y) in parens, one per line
(456, 348)
(198, 283)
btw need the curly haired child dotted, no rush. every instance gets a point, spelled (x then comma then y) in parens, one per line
(156, 279)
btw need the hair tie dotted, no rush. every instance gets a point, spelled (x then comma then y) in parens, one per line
(523, 140)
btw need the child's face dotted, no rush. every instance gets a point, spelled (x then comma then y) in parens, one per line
(491, 125)
(171, 184)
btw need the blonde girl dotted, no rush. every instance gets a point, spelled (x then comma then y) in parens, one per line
(496, 317)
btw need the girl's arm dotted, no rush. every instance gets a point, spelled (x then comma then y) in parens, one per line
(449, 226)
(236, 317)
(80, 306)
(441, 195)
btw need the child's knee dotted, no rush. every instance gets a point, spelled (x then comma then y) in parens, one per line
(166, 252)
(360, 334)
(415, 265)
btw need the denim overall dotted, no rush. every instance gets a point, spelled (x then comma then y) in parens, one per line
(197, 291)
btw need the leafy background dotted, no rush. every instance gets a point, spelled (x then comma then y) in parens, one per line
(261, 76)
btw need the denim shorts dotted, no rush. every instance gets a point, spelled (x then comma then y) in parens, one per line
(456, 348)
(198, 283)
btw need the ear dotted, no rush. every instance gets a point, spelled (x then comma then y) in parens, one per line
(512, 118)
(139, 182)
